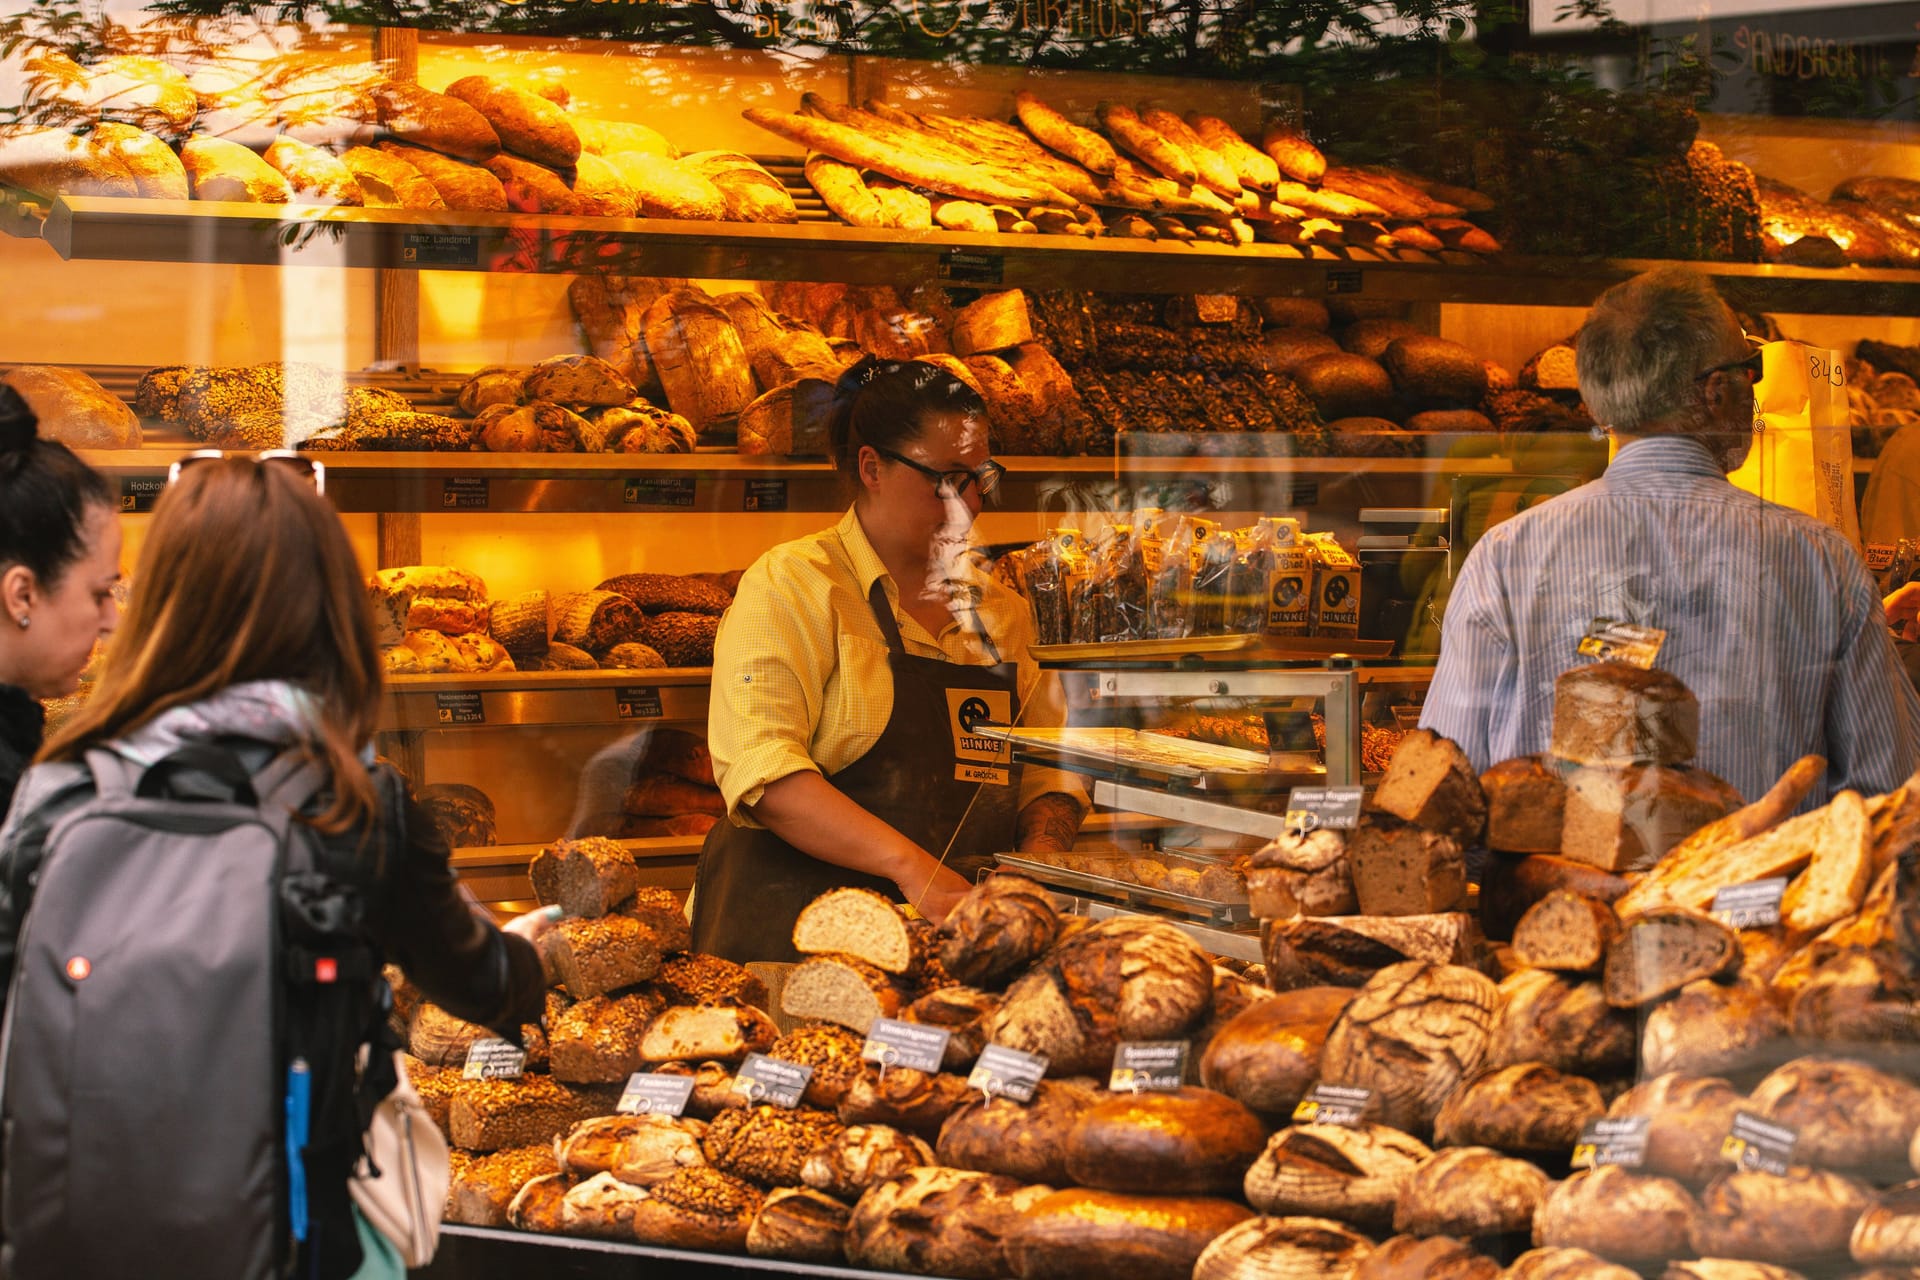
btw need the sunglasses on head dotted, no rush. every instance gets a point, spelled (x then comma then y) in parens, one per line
(958, 481)
(307, 466)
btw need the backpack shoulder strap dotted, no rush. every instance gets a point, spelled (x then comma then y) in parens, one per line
(114, 776)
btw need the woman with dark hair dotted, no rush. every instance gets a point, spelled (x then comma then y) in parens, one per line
(853, 674)
(248, 631)
(59, 570)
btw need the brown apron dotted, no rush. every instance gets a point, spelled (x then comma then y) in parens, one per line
(751, 884)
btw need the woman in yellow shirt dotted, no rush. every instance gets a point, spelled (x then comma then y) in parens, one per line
(850, 677)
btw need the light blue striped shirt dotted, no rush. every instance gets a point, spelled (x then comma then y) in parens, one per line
(1770, 616)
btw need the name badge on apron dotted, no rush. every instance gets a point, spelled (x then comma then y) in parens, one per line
(977, 757)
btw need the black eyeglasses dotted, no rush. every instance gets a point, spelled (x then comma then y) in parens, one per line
(1752, 366)
(987, 477)
(307, 465)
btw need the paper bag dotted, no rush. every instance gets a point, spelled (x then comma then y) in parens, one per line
(1803, 446)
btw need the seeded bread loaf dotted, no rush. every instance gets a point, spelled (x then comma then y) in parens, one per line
(705, 979)
(598, 1040)
(483, 1187)
(600, 955)
(769, 1145)
(707, 1032)
(487, 1115)
(657, 908)
(699, 1208)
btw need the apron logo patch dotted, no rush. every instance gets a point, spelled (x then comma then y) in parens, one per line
(977, 757)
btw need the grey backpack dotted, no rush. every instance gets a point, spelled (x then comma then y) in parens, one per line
(159, 998)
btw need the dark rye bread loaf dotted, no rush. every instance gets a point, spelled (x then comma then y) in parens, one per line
(1412, 1034)
(1026, 1141)
(1526, 805)
(1566, 931)
(1688, 1119)
(1431, 783)
(1268, 1056)
(1003, 925)
(1351, 1174)
(1524, 1108)
(1660, 951)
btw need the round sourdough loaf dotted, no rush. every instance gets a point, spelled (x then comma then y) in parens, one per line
(601, 1206)
(1617, 1214)
(1332, 1171)
(1716, 1028)
(1268, 1056)
(799, 1224)
(1412, 1034)
(1128, 978)
(1530, 1108)
(1469, 1191)
(1850, 1117)
(963, 1013)
(1188, 1141)
(1027, 1141)
(1688, 1118)
(1425, 1258)
(940, 1222)
(1004, 924)
(1562, 1021)
(1802, 1216)
(849, 1162)
(1073, 1235)
(1889, 1232)
(1730, 1269)
(1282, 1249)
(905, 1098)
(1564, 1264)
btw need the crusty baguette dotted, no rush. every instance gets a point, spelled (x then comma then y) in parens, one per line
(1325, 204)
(313, 175)
(1082, 146)
(1402, 185)
(1835, 882)
(1294, 155)
(902, 208)
(1212, 168)
(857, 148)
(1466, 197)
(1896, 822)
(843, 190)
(997, 143)
(1395, 201)
(1254, 167)
(1717, 854)
(970, 215)
(1139, 138)
(1132, 187)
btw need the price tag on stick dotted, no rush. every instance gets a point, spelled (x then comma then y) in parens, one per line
(1003, 1072)
(765, 1079)
(648, 1093)
(494, 1060)
(893, 1043)
(1143, 1066)
(1338, 808)
(1344, 1105)
(1754, 1143)
(1611, 640)
(1622, 1142)
(1753, 905)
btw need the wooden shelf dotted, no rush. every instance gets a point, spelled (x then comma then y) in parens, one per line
(526, 698)
(123, 229)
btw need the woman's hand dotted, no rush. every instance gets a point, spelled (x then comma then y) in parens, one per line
(934, 898)
(1903, 611)
(534, 924)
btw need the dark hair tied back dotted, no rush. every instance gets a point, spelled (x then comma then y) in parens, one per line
(45, 494)
(885, 404)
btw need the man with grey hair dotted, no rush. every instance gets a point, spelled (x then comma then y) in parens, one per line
(1770, 617)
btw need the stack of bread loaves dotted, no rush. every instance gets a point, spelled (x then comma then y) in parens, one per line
(433, 619)
(568, 404)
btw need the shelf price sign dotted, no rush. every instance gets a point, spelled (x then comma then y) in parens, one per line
(650, 1094)
(1311, 808)
(1341, 1104)
(893, 1043)
(1144, 1066)
(764, 1079)
(494, 1060)
(1754, 1143)
(1003, 1072)
(1622, 1142)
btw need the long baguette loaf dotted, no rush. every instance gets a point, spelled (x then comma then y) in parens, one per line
(856, 148)
(1254, 167)
(1719, 854)
(1327, 204)
(971, 143)
(1400, 201)
(1296, 157)
(1211, 167)
(1133, 187)
(1136, 136)
(1001, 144)
(1082, 146)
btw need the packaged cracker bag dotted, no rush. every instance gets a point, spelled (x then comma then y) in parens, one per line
(1336, 587)
(1289, 584)
(1212, 556)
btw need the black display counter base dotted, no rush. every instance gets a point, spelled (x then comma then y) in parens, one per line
(483, 1253)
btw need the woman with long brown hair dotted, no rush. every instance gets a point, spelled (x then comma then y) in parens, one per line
(248, 631)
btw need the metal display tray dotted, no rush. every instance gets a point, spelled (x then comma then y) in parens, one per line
(1143, 757)
(1228, 914)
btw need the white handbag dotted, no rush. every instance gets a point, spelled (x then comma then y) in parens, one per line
(405, 1201)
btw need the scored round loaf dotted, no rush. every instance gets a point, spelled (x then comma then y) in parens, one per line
(1565, 1264)
(1412, 1034)
(1528, 1107)
(799, 1224)
(1470, 1192)
(963, 1013)
(1186, 1141)
(1268, 1056)
(1850, 1117)
(847, 1163)
(1802, 1216)
(1277, 1247)
(905, 1098)
(1716, 1028)
(941, 1222)
(1425, 1258)
(1889, 1232)
(698, 1208)
(1618, 1214)
(1618, 714)
(769, 1145)
(1128, 978)
(834, 1054)
(1688, 1119)
(1733, 1269)
(465, 813)
(1004, 924)
(1562, 1021)
(1331, 1171)
(1074, 1234)
(1026, 1141)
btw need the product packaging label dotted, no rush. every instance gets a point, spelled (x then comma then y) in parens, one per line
(1290, 591)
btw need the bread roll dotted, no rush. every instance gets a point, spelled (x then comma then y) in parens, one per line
(222, 170)
(799, 1224)
(1073, 1234)
(1529, 1107)
(1562, 1021)
(1425, 1258)
(698, 1208)
(1354, 1175)
(666, 189)
(1800, 1217)
(940, 1222)
(1715, 1028)
(1025, 1141)
(73, 408)
(1413, 1033)
(1469, 1191)
(1268, 1056)
(1188, 1141)
(1688, 1119)
(1851, 1118)
(1618, 1214)
(1070, 1008)
(1263, 1247)
(157, 172)
(1564, 1264)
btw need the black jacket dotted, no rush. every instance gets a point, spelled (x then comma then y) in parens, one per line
(22, 727)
